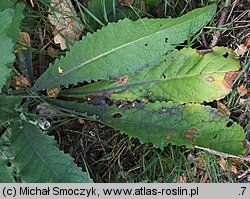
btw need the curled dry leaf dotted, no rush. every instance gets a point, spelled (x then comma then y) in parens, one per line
(52, 92)
(23, 41)
(223, 164)
(20, 82)
(67, 26)
(243, 48)
(223, 109)
(52, 52)
(242, 90)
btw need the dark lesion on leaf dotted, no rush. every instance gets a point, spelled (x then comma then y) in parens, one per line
(192, 133)
(116, 115)
(225, 55)
(229, 124)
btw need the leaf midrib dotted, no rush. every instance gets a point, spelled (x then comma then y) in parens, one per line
(122, 87)
(40, 157)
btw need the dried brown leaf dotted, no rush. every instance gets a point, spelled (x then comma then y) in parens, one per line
(52, 92)
(243, 48)
(52, 52)
(242, 90)
(223, 164)
(229, 79)
(204, 178)
(67, 26)
(20, 82)
(23, 41)
(223, 109)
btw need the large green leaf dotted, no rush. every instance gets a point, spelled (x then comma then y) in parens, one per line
(6, 46)
(13, 29)
(166, 122)
(37, 159)
(7, 108)
(181, 76)
(123, 48)
(5, 171)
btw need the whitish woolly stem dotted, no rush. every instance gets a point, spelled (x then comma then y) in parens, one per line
(224, 155)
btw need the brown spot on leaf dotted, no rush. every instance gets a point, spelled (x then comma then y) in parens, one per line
(210, 79)
(229, 79)
(121, 80)
(169, 137)
(194, 131)
(188, 137)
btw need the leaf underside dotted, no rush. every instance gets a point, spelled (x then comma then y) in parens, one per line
(37, 158)
(147, 39)
(181, 76)
(161, 123)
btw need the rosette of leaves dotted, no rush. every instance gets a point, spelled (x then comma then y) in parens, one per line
(164, 88)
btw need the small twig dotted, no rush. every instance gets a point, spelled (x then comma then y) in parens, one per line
(244, 174)
(116, 156)
(224, 155)
(223, 17)
(204, 41)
